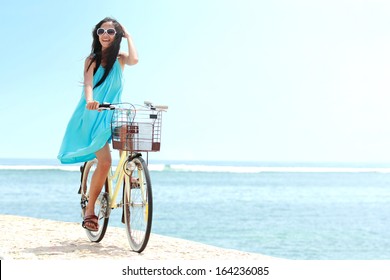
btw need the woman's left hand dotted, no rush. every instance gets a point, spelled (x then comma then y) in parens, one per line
(125, 33)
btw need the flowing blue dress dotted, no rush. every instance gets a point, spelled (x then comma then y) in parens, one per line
(89, 130)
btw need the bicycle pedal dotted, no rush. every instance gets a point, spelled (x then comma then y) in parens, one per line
(83, 203)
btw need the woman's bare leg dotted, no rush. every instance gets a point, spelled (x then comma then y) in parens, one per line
(98, 178)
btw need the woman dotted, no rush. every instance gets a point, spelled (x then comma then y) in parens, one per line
(88, 133)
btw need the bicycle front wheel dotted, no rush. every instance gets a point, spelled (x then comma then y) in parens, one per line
(138, 204)
(102, 209)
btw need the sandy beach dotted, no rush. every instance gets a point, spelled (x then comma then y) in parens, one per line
(25, 238)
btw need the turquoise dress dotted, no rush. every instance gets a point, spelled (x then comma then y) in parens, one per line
(88, 130)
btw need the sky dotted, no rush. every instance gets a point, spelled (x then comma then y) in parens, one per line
(244, 80)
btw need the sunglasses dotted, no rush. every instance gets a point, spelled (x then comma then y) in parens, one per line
(110, 31)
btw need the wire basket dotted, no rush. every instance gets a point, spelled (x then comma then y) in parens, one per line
(136, 129)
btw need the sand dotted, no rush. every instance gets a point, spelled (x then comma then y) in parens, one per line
(25, 238)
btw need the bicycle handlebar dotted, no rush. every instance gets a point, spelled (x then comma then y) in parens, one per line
(155, 107)
(109, 106)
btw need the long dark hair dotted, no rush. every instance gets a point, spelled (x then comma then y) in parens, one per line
(110, 54)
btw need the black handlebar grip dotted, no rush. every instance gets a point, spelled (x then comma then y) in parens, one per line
(105, 105)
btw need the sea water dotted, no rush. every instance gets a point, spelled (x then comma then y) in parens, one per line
(293, 211)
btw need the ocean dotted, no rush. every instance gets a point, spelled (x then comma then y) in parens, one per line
(302, 211)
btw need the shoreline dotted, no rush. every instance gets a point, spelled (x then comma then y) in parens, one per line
(26, 238)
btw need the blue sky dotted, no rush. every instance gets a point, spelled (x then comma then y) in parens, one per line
(244, 80)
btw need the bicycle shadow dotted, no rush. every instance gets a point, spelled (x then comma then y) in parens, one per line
(78, 249)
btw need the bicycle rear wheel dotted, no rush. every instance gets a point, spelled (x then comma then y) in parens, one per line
(102, 209)
(138, 204)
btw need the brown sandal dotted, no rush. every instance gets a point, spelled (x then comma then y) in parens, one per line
(90, 223)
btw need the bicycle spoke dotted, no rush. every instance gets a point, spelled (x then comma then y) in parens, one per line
(138, 212)
(101, 205)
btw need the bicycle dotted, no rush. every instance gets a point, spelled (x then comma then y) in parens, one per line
(134, 130)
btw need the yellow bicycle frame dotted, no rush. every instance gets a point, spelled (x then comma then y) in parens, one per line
(118, 175)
